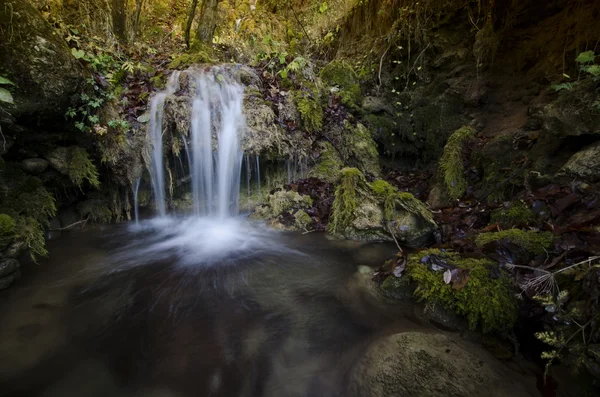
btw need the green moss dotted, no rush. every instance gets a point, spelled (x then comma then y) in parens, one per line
(451, 163)
(303, 220)
(486, 300)
(7, 230)
(310, 109)
(187, 59)
(517, 214)
(345, 203)
(532, 241)
(82, 169)
(329, 165)
(340, 74)
(362, 148)
(32, 232)
(392, 199)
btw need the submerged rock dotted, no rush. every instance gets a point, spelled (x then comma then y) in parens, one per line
(432, 365)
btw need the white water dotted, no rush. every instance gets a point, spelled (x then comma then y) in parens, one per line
(157, 110)
(214, 149)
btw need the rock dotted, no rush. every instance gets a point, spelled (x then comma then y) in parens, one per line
(59, 159)
(584, 164)
(34, 165)
(278, 207)
(15, 249)
(8, 266)
(412, 230)
(432, 365)
(38, 60)
(376, 104)
(6, 281)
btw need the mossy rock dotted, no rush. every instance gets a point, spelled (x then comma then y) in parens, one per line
(361, 148)
(531, 240)
(310, 108)
(329, 164)
(451, 163)
(517, 214)
(487, 300)
(7, 230)
(278, 207)
(340, 74)
(188, 59)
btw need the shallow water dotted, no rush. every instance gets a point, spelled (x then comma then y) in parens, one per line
(191, 307)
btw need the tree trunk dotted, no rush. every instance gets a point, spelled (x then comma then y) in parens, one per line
(119, 19)
(208, 21)
(190, 20)
(135, 25)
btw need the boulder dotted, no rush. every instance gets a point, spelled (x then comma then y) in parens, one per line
(8, 266)
(59, 159)
(38, 61)
(34, 165)
(584, 164)
(6, 281)
(433, 365)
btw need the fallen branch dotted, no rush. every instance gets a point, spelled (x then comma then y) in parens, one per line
(66, 228)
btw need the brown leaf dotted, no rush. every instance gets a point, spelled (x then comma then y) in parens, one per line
(460, 278)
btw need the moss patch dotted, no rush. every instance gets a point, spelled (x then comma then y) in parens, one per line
(329, 165)
(311, 111)
(392, 199)
(486, 300)
(345, 203)
(82, 169)
(7, 230)
(532, 241)
(517, 214)
(451, 163)
(362, 148)
(340, 74)
(187, 59)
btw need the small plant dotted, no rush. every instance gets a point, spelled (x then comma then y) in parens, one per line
(352, 181)
(5, 95)
(82, 169)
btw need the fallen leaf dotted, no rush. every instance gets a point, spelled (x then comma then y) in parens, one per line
(447, 276)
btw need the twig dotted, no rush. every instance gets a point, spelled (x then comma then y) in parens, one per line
(62, 229)
(394, 237)
(300, 23)
(381, 62)
(3, 140)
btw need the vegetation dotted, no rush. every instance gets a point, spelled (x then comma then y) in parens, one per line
(451, 163)
(532, 241)
(347, 192)
(486, 300)
(82, 169)
(517, 214)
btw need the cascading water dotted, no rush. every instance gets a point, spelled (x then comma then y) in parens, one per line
(214, 150)
(157, 110)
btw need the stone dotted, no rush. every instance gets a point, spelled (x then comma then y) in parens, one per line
(15, 249)
(59, 159)
(584, 164)
(412, 230)
(34, 165)
(8, 266)
(433, 365)
(375, 104)
(6, 281)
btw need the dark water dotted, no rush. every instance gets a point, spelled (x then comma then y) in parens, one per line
(274, 314)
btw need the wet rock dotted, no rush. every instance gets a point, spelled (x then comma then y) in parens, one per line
(584, 164)
(8, 266)
(411, 229)
(34, 165)
(374, 104)
(432, 365)
(15, 249)
(6, 281)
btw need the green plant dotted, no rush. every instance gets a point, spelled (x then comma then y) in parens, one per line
(532, 241)
(82, 169)
(451, 162)
(5, 95)
(517, 214)
(487, 299)
(7, 230)
(32, 232)
(311, 112)
(351, 182)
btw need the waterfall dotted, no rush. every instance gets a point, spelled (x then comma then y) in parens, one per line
(136, 189)
(157, 110)
(214, 150)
